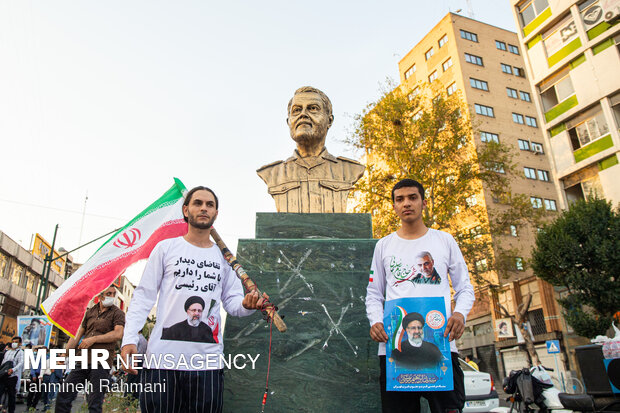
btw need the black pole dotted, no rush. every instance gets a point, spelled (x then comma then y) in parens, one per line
(49, 267)
(49, 258)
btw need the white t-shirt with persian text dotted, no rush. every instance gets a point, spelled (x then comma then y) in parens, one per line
(401, 268)
(179, 273)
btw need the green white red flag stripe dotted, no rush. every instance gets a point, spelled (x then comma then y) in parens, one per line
(161, 220)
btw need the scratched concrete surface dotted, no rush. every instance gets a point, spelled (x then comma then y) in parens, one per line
(326, 361)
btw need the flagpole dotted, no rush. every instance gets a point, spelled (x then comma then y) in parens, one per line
(270, 310)
(47, 264)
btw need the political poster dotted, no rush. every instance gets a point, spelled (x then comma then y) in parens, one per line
(503, 328)
(35, 330)
(417, 354)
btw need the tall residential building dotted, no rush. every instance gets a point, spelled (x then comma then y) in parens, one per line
(573, 63)
(485, 64)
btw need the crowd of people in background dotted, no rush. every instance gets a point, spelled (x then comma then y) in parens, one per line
(16, 382)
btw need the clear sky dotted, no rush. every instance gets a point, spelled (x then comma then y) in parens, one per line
(113, 99)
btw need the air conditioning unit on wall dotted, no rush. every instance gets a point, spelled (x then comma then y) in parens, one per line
(537, 148)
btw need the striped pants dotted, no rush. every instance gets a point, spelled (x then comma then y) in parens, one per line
(182, 391)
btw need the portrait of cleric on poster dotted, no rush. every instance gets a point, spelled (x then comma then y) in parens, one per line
(417, 353)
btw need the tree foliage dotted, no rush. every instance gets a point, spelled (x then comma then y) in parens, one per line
(428, 136)
(580, 251)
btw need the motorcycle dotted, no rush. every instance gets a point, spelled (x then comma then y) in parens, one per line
(533, 387)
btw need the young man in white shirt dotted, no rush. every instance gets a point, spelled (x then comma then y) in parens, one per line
(184, 272)
(395, 273)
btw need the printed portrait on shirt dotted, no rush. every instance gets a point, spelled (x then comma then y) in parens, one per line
(192, 327)
(420, 271)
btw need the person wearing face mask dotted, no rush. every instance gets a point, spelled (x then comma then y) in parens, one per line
(192, 328)
(9, 382)
(102, 328)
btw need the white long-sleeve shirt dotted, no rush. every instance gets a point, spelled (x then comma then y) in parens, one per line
(175, 272)
(396, 273)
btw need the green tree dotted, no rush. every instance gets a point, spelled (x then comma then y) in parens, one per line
(580, 251)
(428, 136)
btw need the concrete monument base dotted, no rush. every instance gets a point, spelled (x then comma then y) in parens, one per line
(315, 267)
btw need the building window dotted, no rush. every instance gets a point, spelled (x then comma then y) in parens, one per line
(489, 137)
(415, 92)
(530, 173)
(443, 40)
(550, 205)
(410, 72)
(475, 232)
(530, 121)
(587, 127)
(513, 49)
(556, 89)
(536, 202)
(543, 175)
(429, 53)
(525, 96)
(523, 145)
(473, 59)
(481, 265)
(451, 89)
(447, 64)
(537, 147)
(506, 68)
(517, 118)
(432, 76)
(471, 201)
(529, 9)
(469, 36)
(500, 45)
(16, 274)
(518, 71)
(513, 231)
(559, 35)
(512, 93)
(496, 167)
(478, 84)
(519, 263)
(484, 110)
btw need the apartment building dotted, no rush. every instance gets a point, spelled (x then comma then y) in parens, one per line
(21, 275)
(485, 64)
(572, 62)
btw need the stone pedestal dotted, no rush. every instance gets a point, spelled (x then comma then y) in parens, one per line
(315, 267)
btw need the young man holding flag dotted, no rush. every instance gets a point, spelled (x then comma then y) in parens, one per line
(189, 275)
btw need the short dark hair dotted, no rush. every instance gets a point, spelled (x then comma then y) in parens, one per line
(405, 183)
(189, 195)
(17, 338)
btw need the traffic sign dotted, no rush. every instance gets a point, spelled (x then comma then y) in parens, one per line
(553, 346)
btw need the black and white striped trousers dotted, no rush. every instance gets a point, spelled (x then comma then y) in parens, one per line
(182, 391)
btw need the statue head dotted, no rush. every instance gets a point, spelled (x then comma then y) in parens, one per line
(309, 118)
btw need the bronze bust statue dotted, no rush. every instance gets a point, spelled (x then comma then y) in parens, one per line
(312, 180)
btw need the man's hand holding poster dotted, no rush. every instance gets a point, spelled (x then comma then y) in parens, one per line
(417, 353)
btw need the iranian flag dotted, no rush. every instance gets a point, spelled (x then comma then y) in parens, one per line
(161, 220)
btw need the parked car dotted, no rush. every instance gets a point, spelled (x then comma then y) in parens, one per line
(480, 393)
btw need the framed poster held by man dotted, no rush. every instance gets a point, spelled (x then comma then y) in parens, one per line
(417, 353)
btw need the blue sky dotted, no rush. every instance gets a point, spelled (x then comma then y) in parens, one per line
(115, 98)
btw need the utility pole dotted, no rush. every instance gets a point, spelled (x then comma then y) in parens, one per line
(47, 264)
